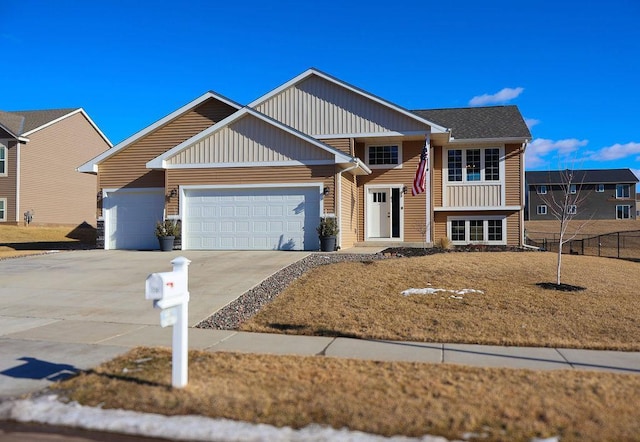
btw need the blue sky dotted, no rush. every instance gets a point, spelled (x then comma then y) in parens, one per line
(573, 68)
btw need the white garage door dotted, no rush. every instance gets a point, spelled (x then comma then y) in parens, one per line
(270, 218)
(130, 218)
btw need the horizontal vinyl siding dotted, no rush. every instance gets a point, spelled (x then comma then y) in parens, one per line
(316, 106)
(249, 140)
(51, 188)
(128, 167)
(414, 206)
(349, 209)
(513, 175)
(251, 175)
(342, 144)
(8, 183)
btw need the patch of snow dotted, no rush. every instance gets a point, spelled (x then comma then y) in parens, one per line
(433, 291)
(48, 410)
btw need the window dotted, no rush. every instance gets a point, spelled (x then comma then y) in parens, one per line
(379, 197)
(457, 230)
(623, 212)
(600, 188)
(3, 209)
(572, 209)
(3, 160)
(473, 164)
(455, 165)
(492, 164)
(384, 156)
(572, 188)
(489, 230)
(542, 189)
(622, 191)
(542, 209)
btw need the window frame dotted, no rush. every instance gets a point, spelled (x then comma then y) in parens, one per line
(599, 188)
(397, 165)
(622, 206)
(466, 222)
(541, 189)
(541, 209)
(622, 187)
(4, 159)
(573, 189)
(3, 210)
(480, 174)
(572, 209)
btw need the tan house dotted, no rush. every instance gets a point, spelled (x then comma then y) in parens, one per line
(261, 176)
(39, 153)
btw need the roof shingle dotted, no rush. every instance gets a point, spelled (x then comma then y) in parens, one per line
(585, 176)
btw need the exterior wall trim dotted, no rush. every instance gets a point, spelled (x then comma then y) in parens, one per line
(476, 209)
(266, 164)
(70, 114)
(367, 187)
(373, 134)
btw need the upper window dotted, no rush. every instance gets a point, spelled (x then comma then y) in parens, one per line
(599, 187)
(622, 191)
(572, 188)
(3, 160)
(572, 209)
(542, 189)
(384, 156)
(473, 164)
(3, 209)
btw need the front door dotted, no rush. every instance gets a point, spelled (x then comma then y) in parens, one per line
(383, 212)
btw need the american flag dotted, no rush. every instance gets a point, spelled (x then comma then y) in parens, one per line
(419, 182)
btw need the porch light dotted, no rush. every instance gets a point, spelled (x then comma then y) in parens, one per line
(404, 190)
(326, 191)
(173, 193)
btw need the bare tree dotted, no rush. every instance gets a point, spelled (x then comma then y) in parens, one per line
(564, 206)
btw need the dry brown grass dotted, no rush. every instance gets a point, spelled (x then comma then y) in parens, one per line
(385, 398)
(21, 240)
(364, 300)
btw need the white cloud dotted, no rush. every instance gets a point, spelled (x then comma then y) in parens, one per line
(615, 152)
(503, 96)
(541, 150)
(530, 122)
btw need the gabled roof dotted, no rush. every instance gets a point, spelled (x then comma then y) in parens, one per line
(160, 162)
(480, 122)
(581, 176)
(91, 166)
(435, 127)
(21, 124)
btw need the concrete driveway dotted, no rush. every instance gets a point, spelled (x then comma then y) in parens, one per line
(73, 310)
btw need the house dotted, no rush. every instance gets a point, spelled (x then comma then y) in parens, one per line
(260, 176)
(602, 194)
(39, 153)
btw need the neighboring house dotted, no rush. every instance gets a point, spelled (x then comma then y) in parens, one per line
(39, 153)
(261, 176)
(603, 194)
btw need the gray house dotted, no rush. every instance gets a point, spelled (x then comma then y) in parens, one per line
(603, 194)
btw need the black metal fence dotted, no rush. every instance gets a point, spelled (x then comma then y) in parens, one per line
(624, 245)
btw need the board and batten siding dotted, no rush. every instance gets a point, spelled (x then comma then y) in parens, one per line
(234, 176)
(8, 184)
(249, 140)
(318, 107)
(349, 210)
(128, 167)
(414, 206)
(51, 187)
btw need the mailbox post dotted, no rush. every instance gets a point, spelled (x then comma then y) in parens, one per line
(170, 293)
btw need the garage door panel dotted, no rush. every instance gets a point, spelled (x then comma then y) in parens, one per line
(131, 215)
(253, 218)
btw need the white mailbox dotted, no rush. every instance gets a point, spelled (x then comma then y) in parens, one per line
(166, 288)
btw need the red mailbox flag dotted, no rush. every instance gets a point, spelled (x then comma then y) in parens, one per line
(419, 182)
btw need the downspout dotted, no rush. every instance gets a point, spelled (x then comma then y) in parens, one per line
(338, 196)
(523, 196)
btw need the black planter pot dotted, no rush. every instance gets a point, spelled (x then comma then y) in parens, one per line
(327, 243)
(166, 243)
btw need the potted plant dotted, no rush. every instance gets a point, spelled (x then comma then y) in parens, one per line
(166, 232)
(327, 231)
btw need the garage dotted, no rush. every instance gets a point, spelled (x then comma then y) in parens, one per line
(130, 216)
(252, 218)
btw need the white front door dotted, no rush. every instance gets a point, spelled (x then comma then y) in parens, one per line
(384, 213)
(379, 207)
